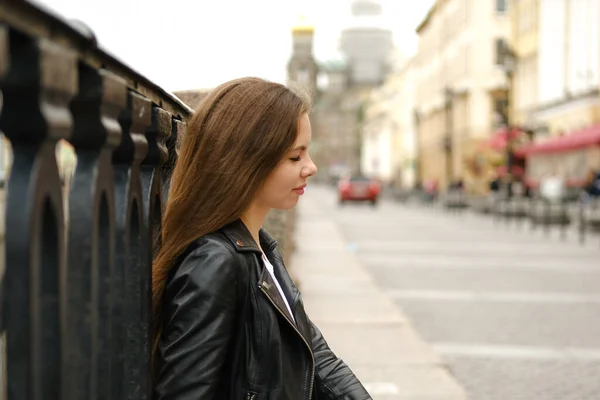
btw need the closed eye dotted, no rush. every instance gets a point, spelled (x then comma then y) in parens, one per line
(296, 158)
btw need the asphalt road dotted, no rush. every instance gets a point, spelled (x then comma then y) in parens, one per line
(515, 314)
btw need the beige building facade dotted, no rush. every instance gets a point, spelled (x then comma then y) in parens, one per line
(557, 80)
(524, 41)
(557, 77)
(461, 85)
(388, 135)
(569, 65)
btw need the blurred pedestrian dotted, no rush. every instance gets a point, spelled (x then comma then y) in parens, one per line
(229, 323)
(495, 184)
(552, 187)
(592, 187)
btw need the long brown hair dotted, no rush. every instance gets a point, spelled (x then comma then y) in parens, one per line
(234, 140)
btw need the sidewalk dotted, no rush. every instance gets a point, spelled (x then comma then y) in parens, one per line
(360, 323)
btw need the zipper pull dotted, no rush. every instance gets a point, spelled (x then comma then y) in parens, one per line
(251, 396)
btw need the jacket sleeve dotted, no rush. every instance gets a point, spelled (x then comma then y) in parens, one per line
(334, 379)
(199, 313)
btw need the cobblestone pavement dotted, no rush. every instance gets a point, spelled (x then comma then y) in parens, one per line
(515, 314)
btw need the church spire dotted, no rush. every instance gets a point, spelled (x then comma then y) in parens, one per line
(302, 26)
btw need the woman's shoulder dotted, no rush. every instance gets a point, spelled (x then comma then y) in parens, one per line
(214, 241)
(208, 254)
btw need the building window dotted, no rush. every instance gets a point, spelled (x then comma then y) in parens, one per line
(499, 51)
(500, 110)
(500, 6)
(500, 105)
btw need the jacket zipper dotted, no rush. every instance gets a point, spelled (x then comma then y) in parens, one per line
(312, 377)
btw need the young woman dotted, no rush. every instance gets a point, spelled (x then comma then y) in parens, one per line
(229, 321)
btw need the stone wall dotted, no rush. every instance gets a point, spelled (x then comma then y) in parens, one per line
(280, 224)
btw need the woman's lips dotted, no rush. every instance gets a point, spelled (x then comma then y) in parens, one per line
(300, 189)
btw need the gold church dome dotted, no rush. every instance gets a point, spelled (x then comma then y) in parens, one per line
(303, 26)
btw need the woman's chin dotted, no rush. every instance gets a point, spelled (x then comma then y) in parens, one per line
(287, 204)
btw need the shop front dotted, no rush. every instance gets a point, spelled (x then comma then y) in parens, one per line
(572, 157)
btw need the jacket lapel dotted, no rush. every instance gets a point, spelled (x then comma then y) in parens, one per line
(294, 298)
(269, 288)
(242, 240)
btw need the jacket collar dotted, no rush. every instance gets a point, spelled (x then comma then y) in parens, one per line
(242, 239)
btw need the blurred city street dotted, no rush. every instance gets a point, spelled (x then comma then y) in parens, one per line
(511, 315)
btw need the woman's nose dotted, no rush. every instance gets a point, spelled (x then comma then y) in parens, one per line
(310, 169)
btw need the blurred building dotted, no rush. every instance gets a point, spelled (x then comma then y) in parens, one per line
(556, 84)
(335, 146)
(302, 67)
(461, 84)
(344, 84)
(334, 116)
(366, 44)
(192, 97)
(302, 71)
(388, 141)
(524, 41)
(569, 69)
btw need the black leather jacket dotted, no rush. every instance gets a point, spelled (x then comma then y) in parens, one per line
(227, 333)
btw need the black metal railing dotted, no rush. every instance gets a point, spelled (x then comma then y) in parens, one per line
(575, 213)
(76, 287)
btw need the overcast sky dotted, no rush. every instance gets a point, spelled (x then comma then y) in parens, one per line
(189, 44)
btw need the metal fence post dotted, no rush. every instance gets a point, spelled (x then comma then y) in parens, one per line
(37, 88)
(134, 120)
(90, 290)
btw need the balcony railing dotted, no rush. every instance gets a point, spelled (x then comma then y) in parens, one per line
(75, 294)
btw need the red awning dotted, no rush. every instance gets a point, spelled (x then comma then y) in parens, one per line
(583, 138)
(499, 140)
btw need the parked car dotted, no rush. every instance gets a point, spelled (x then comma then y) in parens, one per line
(359, 188)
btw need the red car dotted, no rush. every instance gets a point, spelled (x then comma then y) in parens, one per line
(359, 188)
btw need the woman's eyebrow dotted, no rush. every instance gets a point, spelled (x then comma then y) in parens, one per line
(302, 147)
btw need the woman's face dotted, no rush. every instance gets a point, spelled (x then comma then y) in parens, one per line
(285, 185)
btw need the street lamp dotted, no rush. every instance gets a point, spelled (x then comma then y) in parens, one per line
(417, 127)
(448, 97)
(509, 60)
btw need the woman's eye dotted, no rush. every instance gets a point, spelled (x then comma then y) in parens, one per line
(295, 158)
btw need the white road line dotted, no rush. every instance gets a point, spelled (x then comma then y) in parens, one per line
(495, 297)
(475, 263)
(486, 351)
